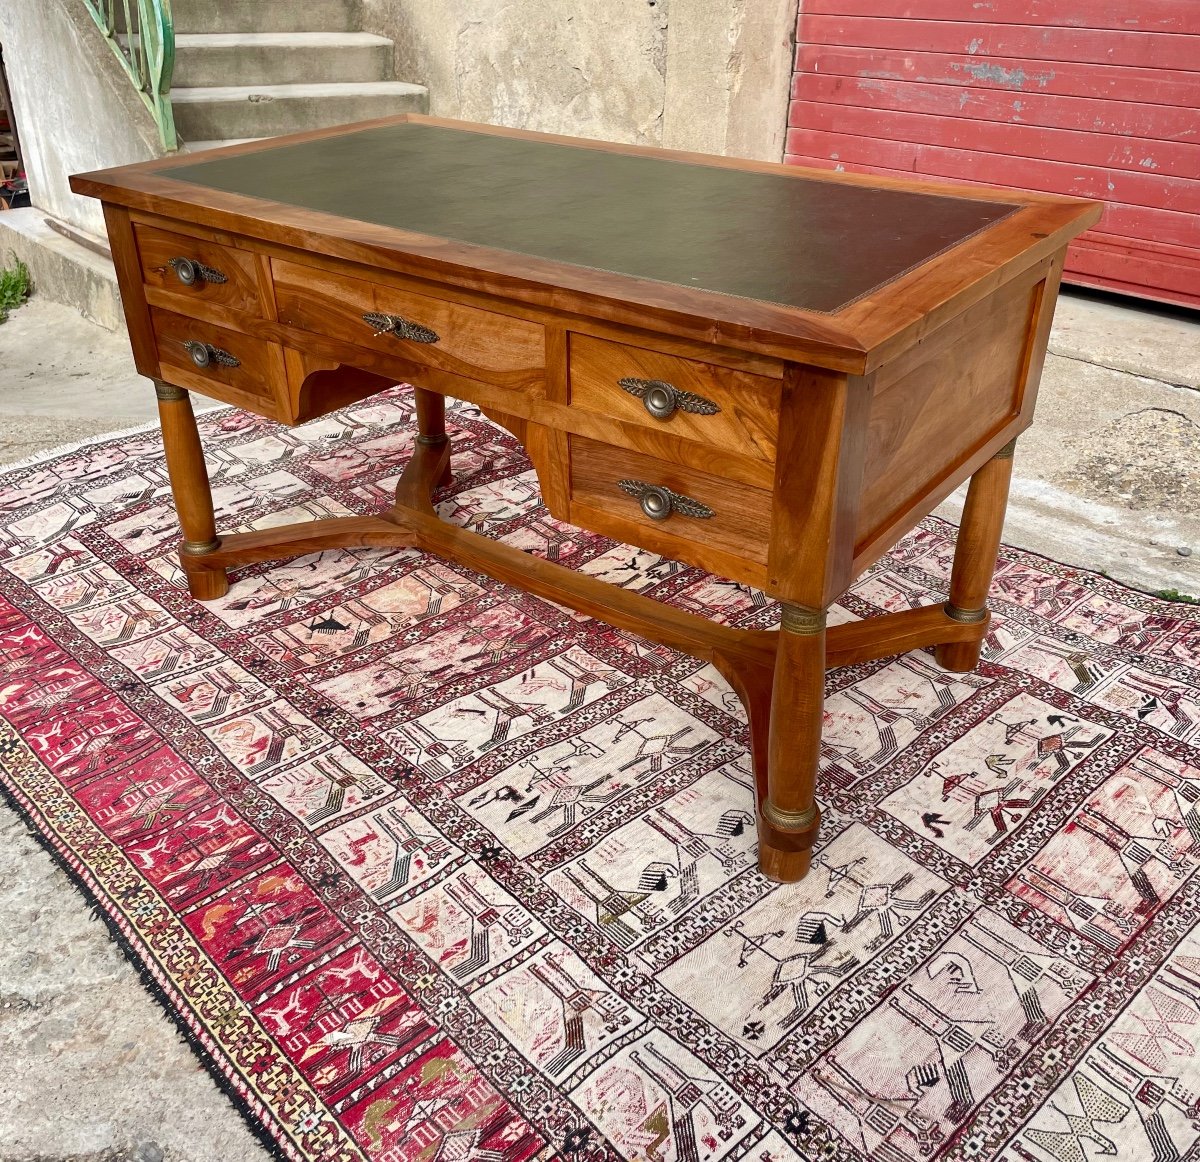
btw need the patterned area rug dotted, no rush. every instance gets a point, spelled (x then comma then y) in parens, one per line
(430, 869)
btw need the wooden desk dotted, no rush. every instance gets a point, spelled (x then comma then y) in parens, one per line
(767, 372)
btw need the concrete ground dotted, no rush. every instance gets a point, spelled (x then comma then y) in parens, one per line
(1108, 478)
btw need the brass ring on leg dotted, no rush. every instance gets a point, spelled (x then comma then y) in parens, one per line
(789, 820)
(965, 616)
(199, 548)
(798, 620)
(168, 392)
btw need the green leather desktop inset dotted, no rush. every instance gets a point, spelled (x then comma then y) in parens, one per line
(800, 242)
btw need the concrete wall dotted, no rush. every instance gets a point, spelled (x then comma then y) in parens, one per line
(74, 104)
(707, 75)
(729, 76)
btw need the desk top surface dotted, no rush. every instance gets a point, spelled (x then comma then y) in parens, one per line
(840, 270)
(770, 236)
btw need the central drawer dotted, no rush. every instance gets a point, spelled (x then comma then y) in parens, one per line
(708, 521)
(450, 336)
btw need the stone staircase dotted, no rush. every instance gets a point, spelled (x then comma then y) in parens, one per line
(259, 68)
(243, 69)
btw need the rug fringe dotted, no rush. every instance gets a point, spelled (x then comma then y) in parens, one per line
(89, 441)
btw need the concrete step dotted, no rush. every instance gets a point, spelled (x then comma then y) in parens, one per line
(264, 15)
(280, 58)
(201, 146)
(220, 113)
(61, 269)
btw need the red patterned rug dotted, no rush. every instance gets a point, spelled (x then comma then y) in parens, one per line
(431, 869)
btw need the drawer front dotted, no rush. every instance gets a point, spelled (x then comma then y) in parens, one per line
(194, 269)
(604, 480)
(732, 410)
(232, 367)
(450, 336)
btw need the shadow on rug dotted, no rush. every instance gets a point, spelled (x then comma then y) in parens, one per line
(430, 868)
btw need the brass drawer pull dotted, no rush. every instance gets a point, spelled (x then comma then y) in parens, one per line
(658, 502)
(189, 271)
(662, 399)
(205, 354)
(401, 328)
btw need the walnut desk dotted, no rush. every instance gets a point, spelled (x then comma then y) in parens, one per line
(768, 372)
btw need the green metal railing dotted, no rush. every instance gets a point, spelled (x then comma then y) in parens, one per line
(142, 34)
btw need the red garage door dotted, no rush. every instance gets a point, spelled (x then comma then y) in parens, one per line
(1097, 98)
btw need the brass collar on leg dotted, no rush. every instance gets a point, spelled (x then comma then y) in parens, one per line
(168, 392)
(199, 548)
(799, 620)
(964, 616)
(789, 820)
(1006, 453)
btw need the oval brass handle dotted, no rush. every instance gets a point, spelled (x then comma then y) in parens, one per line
(401, 328)
(658, 502)
(189, 271)
(205, 354)
(662, 399)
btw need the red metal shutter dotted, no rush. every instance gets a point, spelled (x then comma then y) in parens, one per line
(1097, 98)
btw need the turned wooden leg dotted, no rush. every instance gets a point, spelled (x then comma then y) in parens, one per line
(788, 817)
(193, 495)
(431, 424)
(975, 555)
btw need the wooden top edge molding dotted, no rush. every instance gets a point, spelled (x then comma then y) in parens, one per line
(853, 338)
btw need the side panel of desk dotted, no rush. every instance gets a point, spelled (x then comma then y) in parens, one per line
(943, 408)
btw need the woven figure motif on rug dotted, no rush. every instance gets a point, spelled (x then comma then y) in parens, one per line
(429, 868)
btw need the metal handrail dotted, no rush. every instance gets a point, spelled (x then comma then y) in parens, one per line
(142, 34)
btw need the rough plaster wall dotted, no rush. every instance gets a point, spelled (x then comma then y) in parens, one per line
(729, 73)
(74, 105)
(705, 75)
(593, 68)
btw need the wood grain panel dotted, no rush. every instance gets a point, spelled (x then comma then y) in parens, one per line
(1146, 50)
(1001, 104)
(1040, 172)
(133, 290)
(1091, 100)
(478, 344)
(256, 383)
(747, 423)
(1142, 16)
(738, 531)
(1130, 265)
(242, 290)
(954, 127)
(1012, 74)
(922, 423)
(1141, 223)
(818, 485)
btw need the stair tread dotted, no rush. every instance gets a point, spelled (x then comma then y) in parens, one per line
(200, 146)
(201, 94)
(187, 40)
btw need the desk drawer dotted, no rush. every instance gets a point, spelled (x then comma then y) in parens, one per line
(604, 480)
(733, 410)
(194, 269)
(217, 362)
(450, 336)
